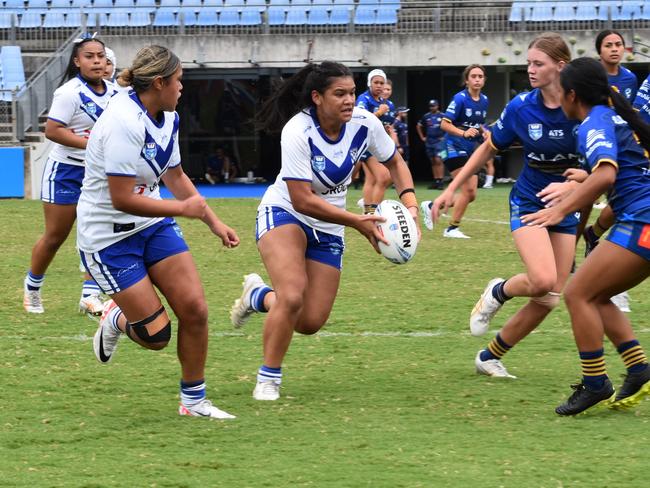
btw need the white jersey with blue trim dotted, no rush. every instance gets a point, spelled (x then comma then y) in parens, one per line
(77, 106)
(309, 155)
(126, 141)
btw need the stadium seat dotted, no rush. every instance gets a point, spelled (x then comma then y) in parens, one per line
(15, 6)
(118, 18)
(259, 4)
(276, 15)
(148, 6)
(233, 3)
(187, 15)
(39, 6)
(228, 16)
(96, 19)
(103, 6)
(322, 2)
(630, 9)
(64, 4)
(196, 4)
(213, 3)
(607, 9)
(587, 10)
(80, 3)
(54, 19)
(30, 19)
(348, 4)
(250, 16)
(386, 16)
(5, 19)
(296, 15)
(207, 16)
(340, 15)
(276, 3)
(165, 16)
(124, 4)
(520, 11)
(73, 19)
(391, 3)
(564, 11)
(542, 12)
(319, 15)
(173, 5)
(369, 3)
(140, 18)
(13, 71)
(365, 16)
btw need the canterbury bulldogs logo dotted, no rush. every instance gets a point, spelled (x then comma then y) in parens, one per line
(535, 131)
(318, 163)
(90, 107)
(354, 153)
(150, 150)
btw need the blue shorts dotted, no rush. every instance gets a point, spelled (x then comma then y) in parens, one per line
(123, 264)
(633, 236)
(61, 182)
(324, 248)
(520, 205)
(435, 149)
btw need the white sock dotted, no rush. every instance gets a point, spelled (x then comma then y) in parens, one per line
(488, 180)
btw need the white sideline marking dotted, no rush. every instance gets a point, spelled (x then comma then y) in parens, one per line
(426, 335)
(483, 221)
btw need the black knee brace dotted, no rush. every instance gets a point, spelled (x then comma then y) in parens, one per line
(139, 329)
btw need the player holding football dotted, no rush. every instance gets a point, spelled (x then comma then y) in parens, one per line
(302, 216)
(126, 235)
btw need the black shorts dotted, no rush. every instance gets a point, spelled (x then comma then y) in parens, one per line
(452, 164)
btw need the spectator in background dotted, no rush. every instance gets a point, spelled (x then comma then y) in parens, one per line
(610, 46)
(111, 64)
(432, 135)
(220, 167)
(401, 129)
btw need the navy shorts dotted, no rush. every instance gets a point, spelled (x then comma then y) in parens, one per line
(435, 149)
(61, 182)
(324, 248)
(521, 205)
(124, 263)
(633, 236)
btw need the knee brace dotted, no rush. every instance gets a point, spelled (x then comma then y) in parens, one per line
(140, 330)
(550, 300)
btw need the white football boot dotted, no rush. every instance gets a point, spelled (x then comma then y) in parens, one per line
(267, 390)
(106, 337)
(242, 308)
(484, 310)
(622, 301)
(204, 409)
(92, 305)
(491, 367)
(455, 233)
(32, 300)
(425, 206)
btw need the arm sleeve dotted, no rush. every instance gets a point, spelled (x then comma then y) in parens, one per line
(122, 143)
(175, 158)
(599, 144)
(503, 130)
(454, 109)
(361, 102)
(64, 106)
(296, 156)
(380, 144)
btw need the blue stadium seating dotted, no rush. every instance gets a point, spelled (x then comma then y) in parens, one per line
(148, 6)
(117, 18)
(173, 5)
(348, 4)
(542, 12)
(586, 10)
(276, 15)
(37, 6)
(96, 18)
(81, 3)
(233, 3)
(365, 16)
(228, 16)
(5, 19)
(213, 3)
(607, 8)
(629, 10)
(13, 72)
(260, 4)
(207, 16)
(73, 19)
(319, 15)
(386, 16)
(564, 11)
(54, 19)
(187, 15)
(124, 4)
(15, 6)
(297, 15)
(251, 16)
(340, 15)
(192, 3)
(369, 3)
(322, 2)
(63, 4)
(140, 18)
(520, 11)
(31, 19)
(165, 16)
(102, 6)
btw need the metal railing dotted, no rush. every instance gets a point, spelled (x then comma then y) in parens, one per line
(22, 111)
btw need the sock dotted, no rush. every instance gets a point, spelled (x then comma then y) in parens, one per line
(369, 208)
(488, 180)
(454, 224)
(90, 288)
(495, 349)
(437, 181)
(269, 374)
(34, 281)
(499, 293)
(633, 356)
(598, 229)
(257, 298)
(594, 373)
(192, 392)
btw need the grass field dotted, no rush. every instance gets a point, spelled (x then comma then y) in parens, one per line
(384, 396)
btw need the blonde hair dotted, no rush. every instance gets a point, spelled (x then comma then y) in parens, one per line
(150, 62)
(553, 46)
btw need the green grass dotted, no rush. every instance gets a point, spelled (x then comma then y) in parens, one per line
(385, 396)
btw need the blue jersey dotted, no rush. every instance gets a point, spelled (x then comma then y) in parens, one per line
(431, 122)
(402, 131)
(625, 82)
(466, 113)
(642, 100)
(605, 137)
(548, 138)
(368, 102)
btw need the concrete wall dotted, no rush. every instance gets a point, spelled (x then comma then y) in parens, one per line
(413, 50)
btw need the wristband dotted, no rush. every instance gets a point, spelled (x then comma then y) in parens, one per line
(409, 199)
(407, 190)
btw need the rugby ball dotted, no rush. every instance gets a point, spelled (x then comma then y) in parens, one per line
(399, 230)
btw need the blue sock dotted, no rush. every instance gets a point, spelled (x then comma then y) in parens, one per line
(495, 349)
(633, 356)
(266, 373)
(34, 281)
(594, 373)
(90, 287)
(257, 298)
(499, 293)
(192, 392)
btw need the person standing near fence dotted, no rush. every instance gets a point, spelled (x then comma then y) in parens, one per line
(76, 106)
(432, 135)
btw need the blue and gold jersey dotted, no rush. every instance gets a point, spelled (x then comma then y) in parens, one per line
(604, 137)
(642, 100)
(466, 113)
(625, 82)
(548, 138)
(368, 102)
(431, 123)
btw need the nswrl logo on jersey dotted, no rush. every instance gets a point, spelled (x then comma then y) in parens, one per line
(535, 131)
(90, 108)
(318, 163)
(468, 112)
(150, 151)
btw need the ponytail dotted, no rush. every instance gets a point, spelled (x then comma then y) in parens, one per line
(294, 94)
(623, 108)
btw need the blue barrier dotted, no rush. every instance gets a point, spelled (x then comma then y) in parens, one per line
(12, 183)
